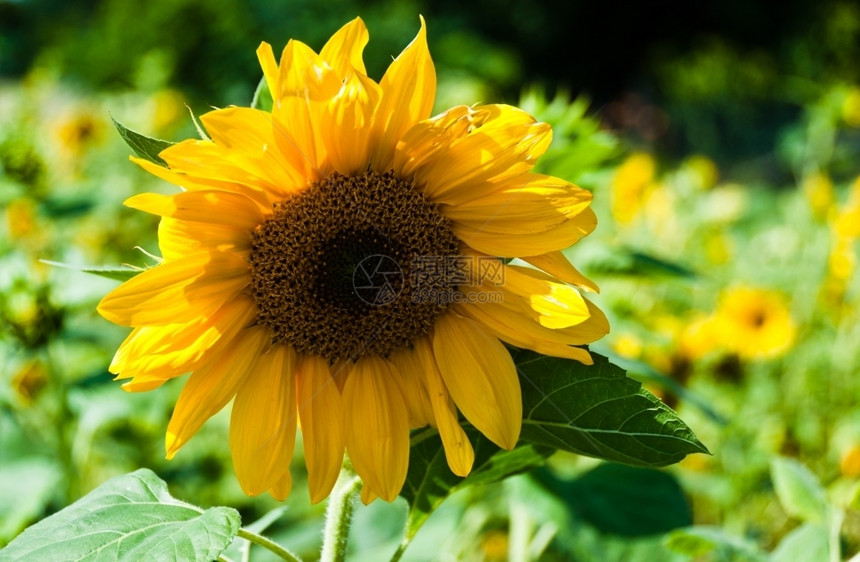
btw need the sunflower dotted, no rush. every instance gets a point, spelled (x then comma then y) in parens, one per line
(341, 262)
(753, 323)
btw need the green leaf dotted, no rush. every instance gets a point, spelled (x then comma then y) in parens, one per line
(130, 517)
(39, 477)
(429, 480)
(634, 263)
(120, 272)
(798, 490)
(67, 207)
(262, 96)
(598, 411)
(142, 145)
(810, 541)
(623, 500)
(699, 541)
(644, 372)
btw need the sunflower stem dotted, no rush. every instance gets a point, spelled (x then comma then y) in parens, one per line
(341, 506)
(269, 545)
(401, 548)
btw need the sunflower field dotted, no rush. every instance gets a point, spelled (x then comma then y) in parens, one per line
(407, 281)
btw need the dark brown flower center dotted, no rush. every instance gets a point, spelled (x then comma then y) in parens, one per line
(340, 268)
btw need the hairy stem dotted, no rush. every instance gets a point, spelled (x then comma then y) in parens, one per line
(341, 506)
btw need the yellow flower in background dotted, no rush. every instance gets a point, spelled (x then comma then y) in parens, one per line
(29, 381)
(628, 346)
(842, 261)
(846, 221)
(703, 171)
(78, 130)
(818, 189)
(844, 230)
(168, 108)
(333, 263)
(754, 323)
(718, 247)
(700, 337)
(21, 220)
(632, 182)
(851, 107)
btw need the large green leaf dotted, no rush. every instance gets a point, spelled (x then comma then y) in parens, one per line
(798, 490)
(644, 372)
(598, 411)
(142, 145)
(429, 480)
(623, 500)
(130, 517)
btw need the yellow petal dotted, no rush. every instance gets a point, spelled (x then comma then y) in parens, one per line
(305, 84)
(291, 122)
(246, 137)
(458, 449)
(410, 368)
(163, 352)
(557, 265)
(266, 56)
(218, 207)
(376, 427)
(343, 51)
(203, 169)
(480, 376)
(524, 204)
(263, 421)
(557, 305)
(408, 91)
(282, 487)
(320, 413)
(425, 140)
(179, 238)
(347, 124)
(367, 495)
(517, 327)
(175, 292)
(511, 245)
(501, 142)
(210, 387)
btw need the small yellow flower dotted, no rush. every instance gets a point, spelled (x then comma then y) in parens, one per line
(754, 323)
(333, 263)
(632, 182)
(628, 345)
(21, 219)
(849, 463)
(842, 261)
(168, 108)
(494, 545)
(78, 130)
(704, 171)
(851, 107)
(28, 381)
(700, 337)
(818, 189)
(718, 247)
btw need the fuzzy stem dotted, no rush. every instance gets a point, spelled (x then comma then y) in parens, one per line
(341, 506)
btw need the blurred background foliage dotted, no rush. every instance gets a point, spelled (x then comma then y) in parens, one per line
(721, 141)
